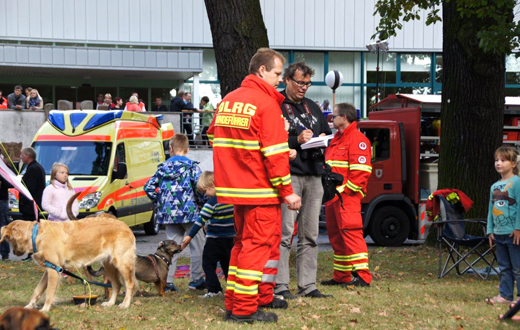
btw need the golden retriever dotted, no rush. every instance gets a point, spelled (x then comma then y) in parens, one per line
(24, 319)
(76, 244)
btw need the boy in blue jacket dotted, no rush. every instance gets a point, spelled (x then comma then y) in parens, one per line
(172, 189)
(220, 225)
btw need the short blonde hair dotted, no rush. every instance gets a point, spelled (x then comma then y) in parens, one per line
(179, 142)
(54, 171)
(133, 99)
(206, 180)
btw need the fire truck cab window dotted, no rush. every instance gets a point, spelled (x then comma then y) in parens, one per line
(380, 140)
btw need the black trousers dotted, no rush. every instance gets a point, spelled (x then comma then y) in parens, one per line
(215, 250)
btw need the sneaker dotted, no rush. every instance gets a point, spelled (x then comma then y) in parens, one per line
(200, 284)
(276, 303)
(356, 281)
(498, 300)
(5, 258)
(170, 287)
(211, 294)
(258, 316)
(285, 294)
(28, 258)
(317, 294)
(330, 282)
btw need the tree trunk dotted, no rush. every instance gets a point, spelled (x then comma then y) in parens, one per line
(238, 30)
(473, 90)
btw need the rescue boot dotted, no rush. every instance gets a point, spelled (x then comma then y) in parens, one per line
(356, 281)
(331, 282)
(258, 316)
(276, 303)
(227, 316)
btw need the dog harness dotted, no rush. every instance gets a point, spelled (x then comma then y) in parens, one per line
(61, 269)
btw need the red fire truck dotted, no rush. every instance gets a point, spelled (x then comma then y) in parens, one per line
(404, 131)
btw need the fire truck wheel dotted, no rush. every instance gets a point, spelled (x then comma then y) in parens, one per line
(389, 226)
(151, 227)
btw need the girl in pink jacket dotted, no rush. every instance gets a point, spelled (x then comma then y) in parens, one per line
(58, 193)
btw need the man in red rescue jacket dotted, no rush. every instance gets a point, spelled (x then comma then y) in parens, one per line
(349, 154)
(251, 161)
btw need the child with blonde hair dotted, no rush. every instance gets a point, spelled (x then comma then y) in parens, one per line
(503, 225)
(57, 194)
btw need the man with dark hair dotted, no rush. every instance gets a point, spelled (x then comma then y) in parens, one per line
(17, 100)
(159, 107)
(34, 179)
(349, 154)
(251, 160)
(100, 100)
(305, 120)
(177, 102)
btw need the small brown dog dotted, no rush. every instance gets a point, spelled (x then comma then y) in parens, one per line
(19, 318)
(152, 268)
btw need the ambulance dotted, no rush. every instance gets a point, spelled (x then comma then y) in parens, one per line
(110, 154)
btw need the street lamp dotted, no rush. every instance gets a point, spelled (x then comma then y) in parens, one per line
(334, 79)
(377, 47)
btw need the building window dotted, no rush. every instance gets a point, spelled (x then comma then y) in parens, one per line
(512, 69)
(209, 65)
(415, 68)
(315, 60)
(348, 63)
(387, 68)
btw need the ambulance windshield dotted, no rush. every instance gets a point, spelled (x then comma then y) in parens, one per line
(81, 157)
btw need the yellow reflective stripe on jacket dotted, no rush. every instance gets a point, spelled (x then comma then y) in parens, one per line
(361, 167)
(247, 193)
(236, 143)
(275, 149)
(340, 258)
(249, 274)
(358, 256)
(210, 137)
(230, 285)
(246, 289)
(232, 270)
(337, 163)
(286, 180)
(341, 189)
(343, 268)
(360, 266)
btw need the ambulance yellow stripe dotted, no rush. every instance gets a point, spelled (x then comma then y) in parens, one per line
(360, 167)
(275, 149)
(247, 193)
(236, 143)
(286, 180)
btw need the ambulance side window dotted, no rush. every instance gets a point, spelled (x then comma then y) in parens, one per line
(119, 157)
(380, 140)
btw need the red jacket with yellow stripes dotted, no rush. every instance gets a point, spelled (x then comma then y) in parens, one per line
(250, 150)
(349, 154)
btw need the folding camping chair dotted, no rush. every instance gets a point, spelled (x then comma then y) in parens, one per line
(451, 234)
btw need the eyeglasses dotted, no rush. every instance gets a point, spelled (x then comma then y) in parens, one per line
(331, 117)
(302, 83)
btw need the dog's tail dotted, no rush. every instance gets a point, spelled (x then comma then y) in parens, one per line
(95, 273)
(70, 214)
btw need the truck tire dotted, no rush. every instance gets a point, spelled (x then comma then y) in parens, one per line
(152, 227)
(389, 226)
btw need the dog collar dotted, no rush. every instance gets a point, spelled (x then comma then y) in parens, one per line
(34, 233)
(162, 258)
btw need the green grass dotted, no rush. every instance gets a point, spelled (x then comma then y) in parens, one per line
(405, 294)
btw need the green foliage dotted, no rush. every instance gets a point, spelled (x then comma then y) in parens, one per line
(498, 32)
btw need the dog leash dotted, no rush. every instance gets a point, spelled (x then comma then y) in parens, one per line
(59, 269)
(154, 265)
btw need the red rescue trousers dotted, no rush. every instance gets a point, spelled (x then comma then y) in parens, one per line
(254, 258)
(345, 230)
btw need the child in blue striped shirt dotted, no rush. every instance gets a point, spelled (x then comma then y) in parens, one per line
(220, 234)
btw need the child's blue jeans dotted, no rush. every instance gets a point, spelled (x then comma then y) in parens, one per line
(508, 257)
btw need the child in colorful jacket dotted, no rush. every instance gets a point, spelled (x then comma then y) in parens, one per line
(173, 191)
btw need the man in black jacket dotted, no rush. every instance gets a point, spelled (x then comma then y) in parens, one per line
(34, 179)
(183, 102)
(306, 120)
